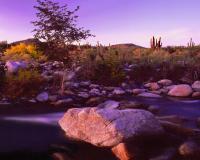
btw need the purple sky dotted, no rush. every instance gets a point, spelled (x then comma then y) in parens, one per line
(114, 21)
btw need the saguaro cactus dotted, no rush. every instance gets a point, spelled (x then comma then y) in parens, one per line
(156, 43)
(191, 43)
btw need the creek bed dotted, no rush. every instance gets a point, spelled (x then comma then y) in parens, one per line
(31, 131)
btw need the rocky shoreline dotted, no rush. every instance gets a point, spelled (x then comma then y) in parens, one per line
(100, 116)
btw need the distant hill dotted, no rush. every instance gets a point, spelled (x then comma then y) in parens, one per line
(126, 46)
(27, 41)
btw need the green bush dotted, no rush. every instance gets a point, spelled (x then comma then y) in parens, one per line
(24, 83)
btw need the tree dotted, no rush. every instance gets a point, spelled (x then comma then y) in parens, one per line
(56, 25)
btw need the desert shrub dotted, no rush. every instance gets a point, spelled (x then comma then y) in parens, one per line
(103, 73)
(23, 52)
(3, 46)
(102, 68)
(24, 83)
(2, 76)
(172, 63)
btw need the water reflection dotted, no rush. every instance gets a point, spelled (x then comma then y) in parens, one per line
(47, 119)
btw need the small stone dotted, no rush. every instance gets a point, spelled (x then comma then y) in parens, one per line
(83, 95)
(70, 76)
(110, 89)
(68, 92)
(152, 86)
(32, 101)
(71, 85)
(149, 95)
(95, 92)
(165, 82)
(169, 87)
(196, 86)
(104, 92)
(138, 91)
(43, 97)
(158, 92)
(189, 149)
(118, 91)
(85, 84)
(94, 86)
(196, 95)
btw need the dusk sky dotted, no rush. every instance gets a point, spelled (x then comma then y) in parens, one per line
(114, 21)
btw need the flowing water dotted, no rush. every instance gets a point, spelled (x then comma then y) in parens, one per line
(39, 131)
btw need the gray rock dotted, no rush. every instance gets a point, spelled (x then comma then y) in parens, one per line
(71, 85)
(14, 66)
(196, 86)
(149, 95)
(196, 95)
(32, 101)
(85, 84)
(83, 95)
(43, 97)
(152, 86)
(138, 91)
(70, 76)
(108, 127)
(94, 86)
(165, 82)
(118, 91)
(95, 92)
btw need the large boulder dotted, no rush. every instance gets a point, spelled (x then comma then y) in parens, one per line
(196, 86)
(105, 127)
(182, 90)
(14, 66)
